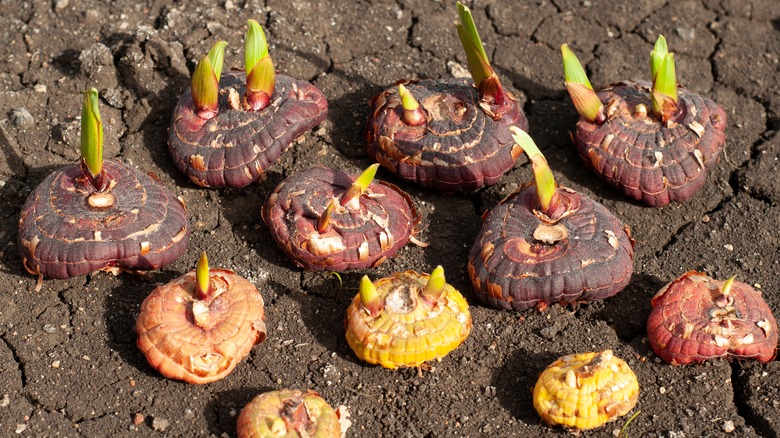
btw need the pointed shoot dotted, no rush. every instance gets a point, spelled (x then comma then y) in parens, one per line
(664, 94)
(435, 286)
(585, 100)
(323, 222)
(481, 72)
(205, 90)
(360, 185)
(216, 57)
(572, 68)
(727, 286)
(545, 183)
(260, 74)
(414, 115)
(202, 285)
(666, 80)
(92, 136)
(657, 55)
(370, 298)
(256, 46)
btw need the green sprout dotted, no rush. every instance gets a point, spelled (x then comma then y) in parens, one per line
(203, 283)
(624, 429)
(260, 75)
(482, 73)
(205, 82)
(586, 101)
(92, 137)
(360, 185)
(338, 277)
(369, 297)
(660, 50)
(545, 183)
(727, 285)
(435, 286)
(414, 115)
(664, 94)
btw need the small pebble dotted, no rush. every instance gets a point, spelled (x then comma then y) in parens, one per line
(662, 390)
(138, 418)
(39, 88)
(48, 328)
(20, 427)
(549, 332)
(59, 5)
(160, 424)
(705, 218)
(5, 401)
(21, 118)
(55, 364)
(686, 33)
(729, 247)
(728, 426)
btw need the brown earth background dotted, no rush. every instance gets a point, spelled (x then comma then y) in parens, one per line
(68, 361)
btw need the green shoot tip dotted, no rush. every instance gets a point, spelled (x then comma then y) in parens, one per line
(369, 297)
(216, 57)
(360, 185)
(727, 285)
(256, 46)
(414, 115)
(572, 68)
(435, 285)
(202, 276)
(660, 50)
(664, 93)
(545, 183)
(482, 73)
(92, 134)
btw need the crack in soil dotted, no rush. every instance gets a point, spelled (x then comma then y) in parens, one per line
(71, 310)
(751, 418)
(20, 364)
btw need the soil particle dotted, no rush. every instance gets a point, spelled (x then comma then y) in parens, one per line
(160, 424)
(21, 118)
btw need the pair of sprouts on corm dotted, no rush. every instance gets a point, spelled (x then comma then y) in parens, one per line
(260, 75)
(663, 94)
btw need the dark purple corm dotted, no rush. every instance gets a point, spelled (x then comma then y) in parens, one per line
(657, 157)
(448, 135)
(326, 219)
(100, 215)
(545, 244)
(227, 132)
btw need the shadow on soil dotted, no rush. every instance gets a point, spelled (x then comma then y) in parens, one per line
(121, 311)
(519, 374)
(636, 296)
(223, 410)
(323, 316)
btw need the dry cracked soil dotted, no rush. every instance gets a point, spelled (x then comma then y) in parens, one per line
(68, 361)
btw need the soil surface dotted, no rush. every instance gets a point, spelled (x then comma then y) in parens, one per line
(69, 365)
